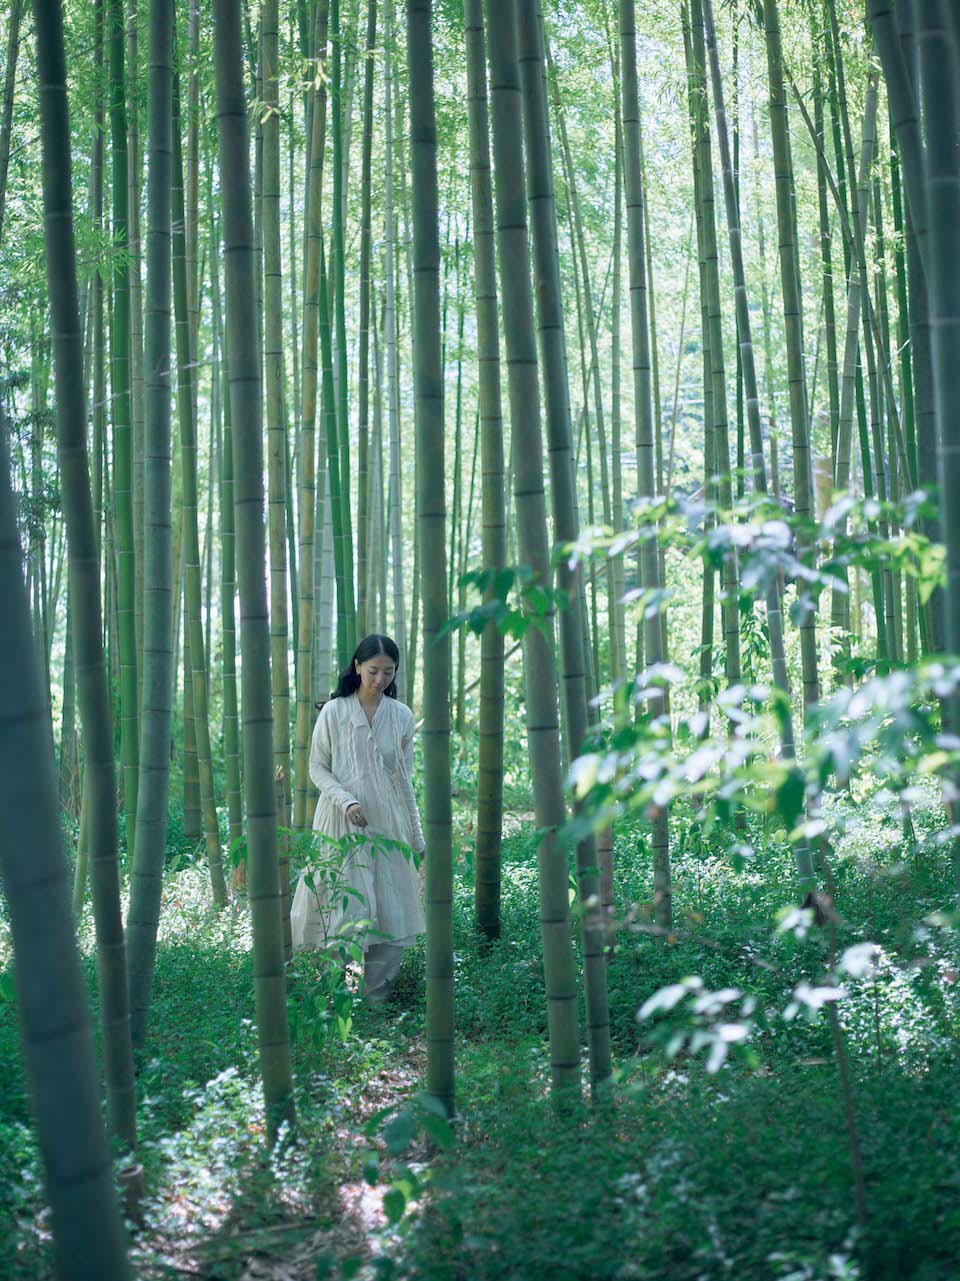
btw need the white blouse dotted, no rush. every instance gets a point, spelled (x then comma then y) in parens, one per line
(347, 750)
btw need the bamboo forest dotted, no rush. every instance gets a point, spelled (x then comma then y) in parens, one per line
(480, 655)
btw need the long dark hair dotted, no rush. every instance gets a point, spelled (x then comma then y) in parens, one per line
(348, 681)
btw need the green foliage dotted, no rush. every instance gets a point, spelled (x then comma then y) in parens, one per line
(324, 1003)
(422, 1118)
(683, 1171)
(533, 604)
(696, 1019)
(694, 1178)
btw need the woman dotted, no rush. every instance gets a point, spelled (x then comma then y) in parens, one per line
(361, 759)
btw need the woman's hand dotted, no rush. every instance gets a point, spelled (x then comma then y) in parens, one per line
(356, 815)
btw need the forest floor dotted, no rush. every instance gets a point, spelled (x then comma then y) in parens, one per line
(745, 1171)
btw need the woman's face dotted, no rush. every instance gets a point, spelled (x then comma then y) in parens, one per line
(376, 674)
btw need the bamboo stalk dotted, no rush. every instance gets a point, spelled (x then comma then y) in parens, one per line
(431, 519)
(540, 671)
(245, 393)
(553, 356)
(146, 878)
(490, 765)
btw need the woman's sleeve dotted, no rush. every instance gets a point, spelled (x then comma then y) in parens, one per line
(406, 747)
(321, 756)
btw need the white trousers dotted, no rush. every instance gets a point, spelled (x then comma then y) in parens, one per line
(380, 964)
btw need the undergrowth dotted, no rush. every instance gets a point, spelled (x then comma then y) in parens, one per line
(675, 1171)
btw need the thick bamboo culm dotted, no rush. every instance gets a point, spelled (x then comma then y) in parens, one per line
(157, 674)
(490, 766)
(431, 539)
(540, 668)
(245, 388)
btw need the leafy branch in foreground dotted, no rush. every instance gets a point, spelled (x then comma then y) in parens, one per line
(766, 539)
(890, 726)
(514, 598)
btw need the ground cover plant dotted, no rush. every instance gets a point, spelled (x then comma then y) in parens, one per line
(743, 1171)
